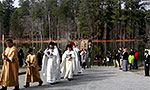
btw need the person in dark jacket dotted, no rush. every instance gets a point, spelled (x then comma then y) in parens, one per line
(120, 53)
(146, 64)
(125, 60)
(118, 59)
(20, 57)
(39, 57)
(97, 58)
(115, 57)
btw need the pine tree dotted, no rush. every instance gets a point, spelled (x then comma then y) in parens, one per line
(8, 9)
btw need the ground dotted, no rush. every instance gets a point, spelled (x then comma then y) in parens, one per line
(96, 78)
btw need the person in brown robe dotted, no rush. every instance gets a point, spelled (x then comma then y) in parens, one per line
(32, 74)
(9, 73)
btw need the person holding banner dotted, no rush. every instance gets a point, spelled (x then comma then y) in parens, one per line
(76, 63)
(9, 73)
(32, 74)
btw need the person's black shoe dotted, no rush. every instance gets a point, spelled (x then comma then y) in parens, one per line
(3, 88)
(40, 83)
(69, 79)
(51, 83)
(16, 88)
(62, 77)
(27, 85)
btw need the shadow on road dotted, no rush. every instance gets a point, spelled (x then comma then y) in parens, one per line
(88, 76)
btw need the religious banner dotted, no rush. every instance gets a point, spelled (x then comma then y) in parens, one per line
(84, 44)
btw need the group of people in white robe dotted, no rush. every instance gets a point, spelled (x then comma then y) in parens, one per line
(53, 70)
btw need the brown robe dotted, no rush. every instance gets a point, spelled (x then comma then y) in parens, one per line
(9, 73)
(32, 74)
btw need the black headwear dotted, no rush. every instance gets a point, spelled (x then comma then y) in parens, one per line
(52, 43)
(146, 51)
(55, 44)
(70, 46)
(9, 40)
(30, 50)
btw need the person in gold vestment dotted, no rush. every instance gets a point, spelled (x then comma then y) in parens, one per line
(9, 73)
(32, 74)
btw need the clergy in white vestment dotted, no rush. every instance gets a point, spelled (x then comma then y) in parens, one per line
(76, 64)
(58, 77)
(44, 62)
(51, 64)
(67, 63)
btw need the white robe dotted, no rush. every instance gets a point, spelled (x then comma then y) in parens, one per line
(44, 63)
(67, 64)
(58, 77)
(76, 64)
(51, 65)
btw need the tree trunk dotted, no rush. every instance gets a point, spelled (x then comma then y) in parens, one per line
(105, 31)
(0, 30)
(41, 29)
(121, 31)
(49, 26)
(58, 36)
(32, 33)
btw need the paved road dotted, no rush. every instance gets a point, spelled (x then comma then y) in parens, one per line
(97, 78)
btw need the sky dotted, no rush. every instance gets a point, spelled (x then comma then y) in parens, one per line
(16, 3)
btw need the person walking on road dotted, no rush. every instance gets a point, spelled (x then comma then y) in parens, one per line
(20, 57)
(32, 74)
(10, 69)
(68, 59)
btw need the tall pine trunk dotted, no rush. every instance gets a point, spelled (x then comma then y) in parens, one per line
(105, 31)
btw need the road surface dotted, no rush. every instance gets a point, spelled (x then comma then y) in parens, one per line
(96, 78)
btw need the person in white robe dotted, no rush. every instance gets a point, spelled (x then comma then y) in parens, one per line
(76, 64)
(51, 64)
(67, 63)
(58, 77)
(44, 62)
